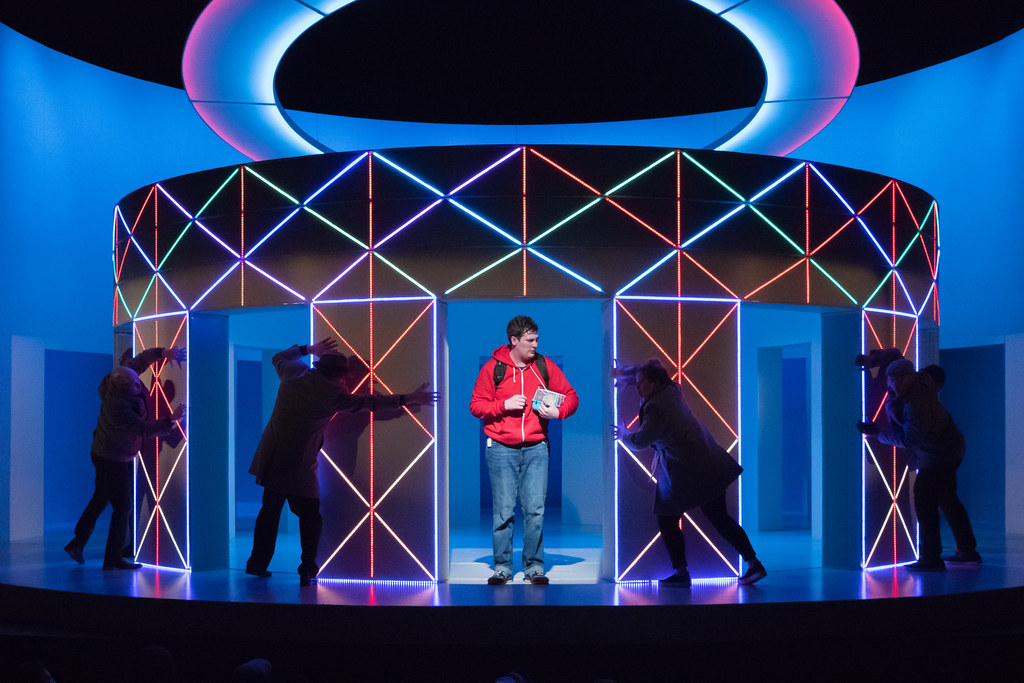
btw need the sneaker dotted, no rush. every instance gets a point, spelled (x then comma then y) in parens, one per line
(755, 572)
(964, 557)
(498, 578)
(927, 566)
(75, 553)
(537, 579)
(679, 579)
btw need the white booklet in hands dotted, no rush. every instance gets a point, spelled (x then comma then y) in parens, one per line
(548, 398)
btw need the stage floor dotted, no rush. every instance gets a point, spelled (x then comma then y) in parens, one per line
(573, 557)
(811, 620)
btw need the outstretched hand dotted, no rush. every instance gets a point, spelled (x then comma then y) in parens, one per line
(179, 413)
(422, 396)
(175, 353)
(323, 346)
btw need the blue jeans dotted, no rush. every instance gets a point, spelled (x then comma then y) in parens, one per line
(523, 473)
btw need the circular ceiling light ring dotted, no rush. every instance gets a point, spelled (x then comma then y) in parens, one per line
(808, 49)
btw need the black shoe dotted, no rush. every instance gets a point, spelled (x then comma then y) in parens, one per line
(121, 563)
(960, 557)
(681, 579)
(537, 579)
(75, 553)
(755, 572)
(927, 566)
(256, 571)
(307, 574)
(498, 578)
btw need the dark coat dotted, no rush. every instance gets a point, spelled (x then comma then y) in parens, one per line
(124, 421)
(286, 458)
(919, 423)
(690, 467)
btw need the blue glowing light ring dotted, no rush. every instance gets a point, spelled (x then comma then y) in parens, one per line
(808, 49)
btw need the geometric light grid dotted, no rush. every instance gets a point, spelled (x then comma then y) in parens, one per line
(697, 340)
(372, 241)
(161, 524)
(379, 471)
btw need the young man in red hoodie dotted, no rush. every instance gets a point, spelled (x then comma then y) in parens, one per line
(517, 442)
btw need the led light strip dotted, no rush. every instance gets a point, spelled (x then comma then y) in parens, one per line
(620, 576)
(374, 502)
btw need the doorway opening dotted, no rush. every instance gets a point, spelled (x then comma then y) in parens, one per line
(783, 462)
(571, 335)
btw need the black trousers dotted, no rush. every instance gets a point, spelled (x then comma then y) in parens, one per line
(935, 490)
(113, 486)
(718, 516)
(264, 539)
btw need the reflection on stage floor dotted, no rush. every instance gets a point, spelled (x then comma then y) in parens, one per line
(574, 567)
(809, 621)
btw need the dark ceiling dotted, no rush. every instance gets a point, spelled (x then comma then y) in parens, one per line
(527, 61)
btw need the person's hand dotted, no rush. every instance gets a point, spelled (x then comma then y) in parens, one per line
(624, 376)
(179, 413)
(422, 396)
(322, 346)
(547, 411)
(868, 428)
(175, 353)
(517, 402)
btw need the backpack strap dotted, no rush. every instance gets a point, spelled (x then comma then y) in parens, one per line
(542, 365)
(541, 362)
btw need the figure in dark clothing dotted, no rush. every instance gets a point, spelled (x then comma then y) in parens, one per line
(690, 468)
(285, 464)
(126, 420)
(919, 423)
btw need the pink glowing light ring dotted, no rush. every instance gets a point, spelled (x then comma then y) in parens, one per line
(808, 49)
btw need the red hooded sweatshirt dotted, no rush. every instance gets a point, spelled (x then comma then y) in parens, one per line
(518, 426)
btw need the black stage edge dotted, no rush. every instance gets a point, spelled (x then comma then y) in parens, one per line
(972, 635)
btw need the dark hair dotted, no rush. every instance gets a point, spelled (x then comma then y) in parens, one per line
(332, 363)
(937, 374)
(520, 325)
(653, 371)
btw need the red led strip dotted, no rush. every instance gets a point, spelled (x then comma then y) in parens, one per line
(369, 173)
(403, 334)
(568, 173)
(833, 235)
(524, 220)
(710, 335)
(241, 227)
(708, 273)
(871, 328)
(807, 230)
(802, 260)
(640, 221)
(138, 217)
